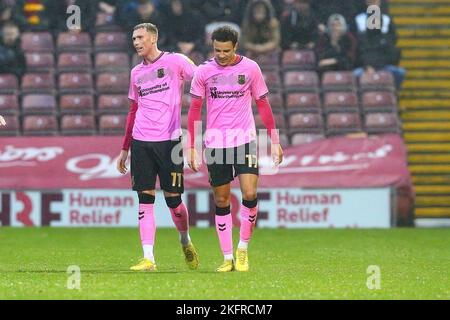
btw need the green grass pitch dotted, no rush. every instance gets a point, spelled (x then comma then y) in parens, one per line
(285, 264)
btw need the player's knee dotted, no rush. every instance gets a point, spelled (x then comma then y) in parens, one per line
(173, 202)
(146, 198)
(222, 201)
(249, 195)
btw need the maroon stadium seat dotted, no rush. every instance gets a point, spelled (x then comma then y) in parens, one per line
(113, 124)
(77, 125)
(9, 84)
(382, 123)
(38, 83)
(75, 83)
(38, 104)
(276, 101)
(266, 62)
(338, 81)
(305, 122)
(279, 121)
(37, 42)
(303, 102)
(302, 138)
(37, 62)
(74, 62)
(301, 81)
(298, 60)
(113, 82)
(376, 101)
(135, 60)
(105, 22)
(110, 41)
(73, 42)
(113, 103)
(272, 79)
(12, 126)
(9, 104)
(340, 101)
(381, 80)
(40, 125)
(343, 123)
(105, 61)
(76, 103)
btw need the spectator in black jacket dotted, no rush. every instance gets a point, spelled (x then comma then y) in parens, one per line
(12, 58)
(323, 9)
(221, 10)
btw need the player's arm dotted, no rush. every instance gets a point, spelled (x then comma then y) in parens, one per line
(126, 142)
(194, 115)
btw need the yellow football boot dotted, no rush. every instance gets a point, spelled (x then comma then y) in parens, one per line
(242, 260)
(144, 265)
(190, 256)
(226, 266)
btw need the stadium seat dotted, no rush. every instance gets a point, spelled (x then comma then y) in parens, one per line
(38, 83)
(105, 22)
(76, 103)
(78, 125)
(378, 101)
(75, 83)
(9, 84)
(135, 60)
(301, 81)
(276, 101)
(303, 102)
(38, 104)
(267, 62)
(107, 61)
(113, 124)
(305, 123)
(74, 42)
(338, 81)
(343, 123)
(12, 126)
(110, 41)
(185, 102)
(113, 82)
(279, 121)
(112, 103)
(37, 42)
(382, 123)
(381, 80)
(298, 60)
(40, 125)
(9, 104)
(302, 138)
(272, 79)
(40, 62)
(74, 62)
(340, 101)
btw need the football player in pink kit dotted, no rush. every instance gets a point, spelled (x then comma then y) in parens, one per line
(154, 131)
(228, 83)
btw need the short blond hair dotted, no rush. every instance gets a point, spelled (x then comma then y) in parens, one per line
(150, 27)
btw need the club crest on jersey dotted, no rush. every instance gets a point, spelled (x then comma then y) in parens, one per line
(161, 73)
(241, 79)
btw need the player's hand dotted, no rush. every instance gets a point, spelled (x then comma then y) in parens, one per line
(193, 159)
(121, 160)
(2, 121)
(277, 154)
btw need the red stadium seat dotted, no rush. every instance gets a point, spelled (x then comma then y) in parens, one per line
(267, 62)
(40, 125)
(74, 62)
(343, 123)
(12, 126)
(303, 102)
(40, 62)
(302, 138)
(76, 103)
(276, 101)
(37, 42)
(338, 81)
(381, 80)
(306, 123)
(298, 60)
(377, 101)
(382, 123)
(112, 124)
(73, 42)
(111, 41)
(105, 61)
(340, 101)
(38, 83)
(75, 83)
(279, 121)
(9, 84)
(117, 82)
(78, 125)
(301, 81)
(113, 103)
(9, 104)
(38, 104)
(272, 79)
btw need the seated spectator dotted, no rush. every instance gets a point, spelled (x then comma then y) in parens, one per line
(220, 10)
(33, 15)
(58, 10)
(12, 59)
(376, 51)
(5, 13)
(260, 29)
(186, 29)
(336, 50)
(298, 25)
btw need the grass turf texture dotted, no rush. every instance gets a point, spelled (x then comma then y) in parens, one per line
(285, 264)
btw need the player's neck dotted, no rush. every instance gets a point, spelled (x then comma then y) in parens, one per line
(232, 61)
(153, 55)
